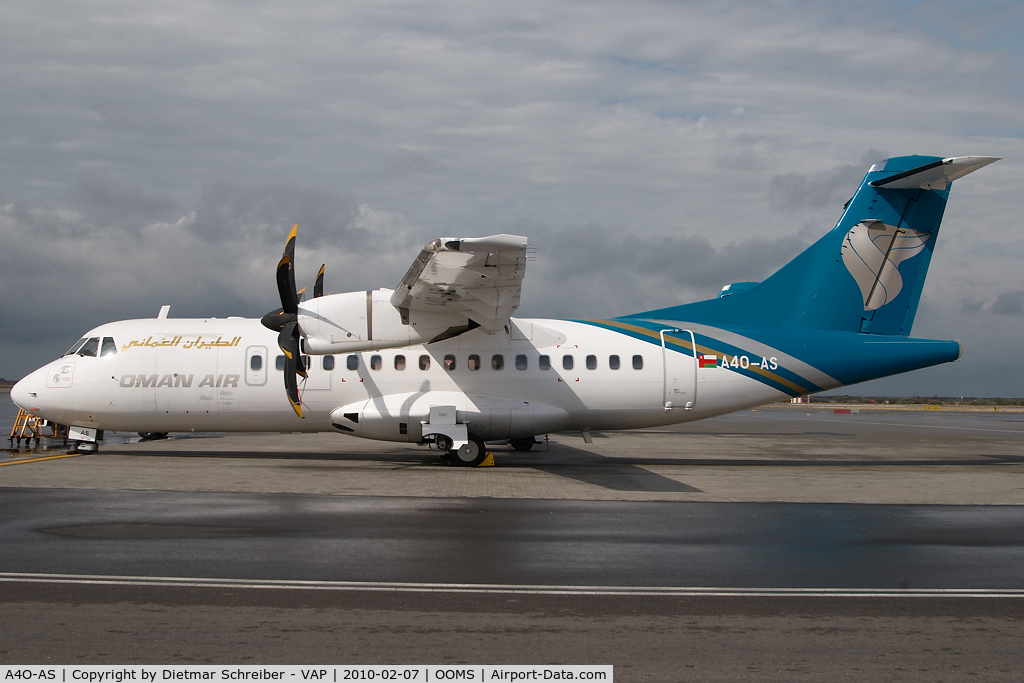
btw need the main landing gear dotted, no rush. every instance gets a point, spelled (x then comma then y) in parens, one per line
(152, 436)
(469, 455)
(523, 443)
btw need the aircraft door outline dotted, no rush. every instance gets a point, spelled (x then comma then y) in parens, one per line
(680, 377)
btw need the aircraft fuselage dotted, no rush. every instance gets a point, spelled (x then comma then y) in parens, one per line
(171, 375)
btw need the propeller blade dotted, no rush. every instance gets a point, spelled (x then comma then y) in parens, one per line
(288, 340)
(286, 276)
(318, 287)
(291, 386)
(286, 321)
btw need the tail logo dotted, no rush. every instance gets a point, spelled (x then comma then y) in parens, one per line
(872, 252)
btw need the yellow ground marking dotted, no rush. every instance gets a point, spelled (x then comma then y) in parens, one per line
(48, 457)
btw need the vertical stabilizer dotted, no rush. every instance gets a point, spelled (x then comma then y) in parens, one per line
(866, 275)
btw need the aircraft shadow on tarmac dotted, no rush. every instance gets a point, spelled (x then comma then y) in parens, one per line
(616, 473)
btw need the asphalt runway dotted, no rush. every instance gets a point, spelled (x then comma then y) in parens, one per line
(512, 542)
(713, 551)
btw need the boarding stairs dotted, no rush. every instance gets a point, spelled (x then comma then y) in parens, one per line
(28, 426)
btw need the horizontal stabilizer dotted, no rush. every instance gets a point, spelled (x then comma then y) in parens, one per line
(936, 175)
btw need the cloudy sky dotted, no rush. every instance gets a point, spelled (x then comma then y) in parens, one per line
(157, 153)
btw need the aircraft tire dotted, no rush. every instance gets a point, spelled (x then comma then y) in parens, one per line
(472, 454)
(152, 436)
(522, 444)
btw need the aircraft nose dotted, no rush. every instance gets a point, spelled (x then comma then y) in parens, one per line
(24, 393)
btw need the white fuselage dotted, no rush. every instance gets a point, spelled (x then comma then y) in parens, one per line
(171, 375)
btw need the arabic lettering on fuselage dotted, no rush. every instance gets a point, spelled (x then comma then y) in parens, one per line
(199, 342)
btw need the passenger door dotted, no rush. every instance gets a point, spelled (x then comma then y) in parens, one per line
(680, 369)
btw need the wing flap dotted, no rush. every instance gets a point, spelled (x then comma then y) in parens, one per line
(480, 278)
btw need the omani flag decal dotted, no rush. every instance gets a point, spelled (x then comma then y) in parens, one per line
(706, 361)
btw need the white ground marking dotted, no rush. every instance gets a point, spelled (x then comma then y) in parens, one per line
(671, 591)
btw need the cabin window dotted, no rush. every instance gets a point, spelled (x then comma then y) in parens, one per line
(474, 362)
(544, 362)
(424, 362)
(256, 362)
(376, 363)
(306, 362)
(497, 362)
(567, 362)
(328, 363)
(521, 362)
(638, 362)
(109, 348)
(613, 362)
(352, 362)
(399, 362)
(279, 362)
(449, 362)
(90, 347)
(591, 362)
(77, 345)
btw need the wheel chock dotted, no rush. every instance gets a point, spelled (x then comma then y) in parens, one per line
(488, 461)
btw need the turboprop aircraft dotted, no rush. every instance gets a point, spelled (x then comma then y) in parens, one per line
(441, 360)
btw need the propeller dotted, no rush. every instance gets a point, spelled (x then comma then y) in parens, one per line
(318, 286)
(285, 320)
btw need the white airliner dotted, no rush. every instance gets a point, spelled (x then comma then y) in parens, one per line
(441, 360)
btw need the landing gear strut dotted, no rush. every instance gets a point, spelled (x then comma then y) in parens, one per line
(443, 442)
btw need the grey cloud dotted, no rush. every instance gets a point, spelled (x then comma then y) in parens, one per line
(687, 261)
(600, 271)
(130, 119)
(412, 162)
(812, 190)
(43, 222)
(1007, 303)
(264, 213)
(59, 260)
(1010, 303)
(663, 119)
(117, 199)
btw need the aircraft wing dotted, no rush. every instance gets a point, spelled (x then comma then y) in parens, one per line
(480, 278)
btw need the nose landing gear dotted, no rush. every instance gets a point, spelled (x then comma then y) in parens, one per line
(85, 447)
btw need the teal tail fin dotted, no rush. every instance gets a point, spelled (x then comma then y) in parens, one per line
(866, 275)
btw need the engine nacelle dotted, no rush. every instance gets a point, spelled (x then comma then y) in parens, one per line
(367, 321)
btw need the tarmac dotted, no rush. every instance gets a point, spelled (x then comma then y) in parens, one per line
(795, 454)
(728, 549)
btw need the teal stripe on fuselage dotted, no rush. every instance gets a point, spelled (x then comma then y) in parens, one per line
(780, 378)
(846, 357)
(852, 357)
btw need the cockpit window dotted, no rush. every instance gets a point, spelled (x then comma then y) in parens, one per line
(109, 348)
(77, 345)
(90, 347)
